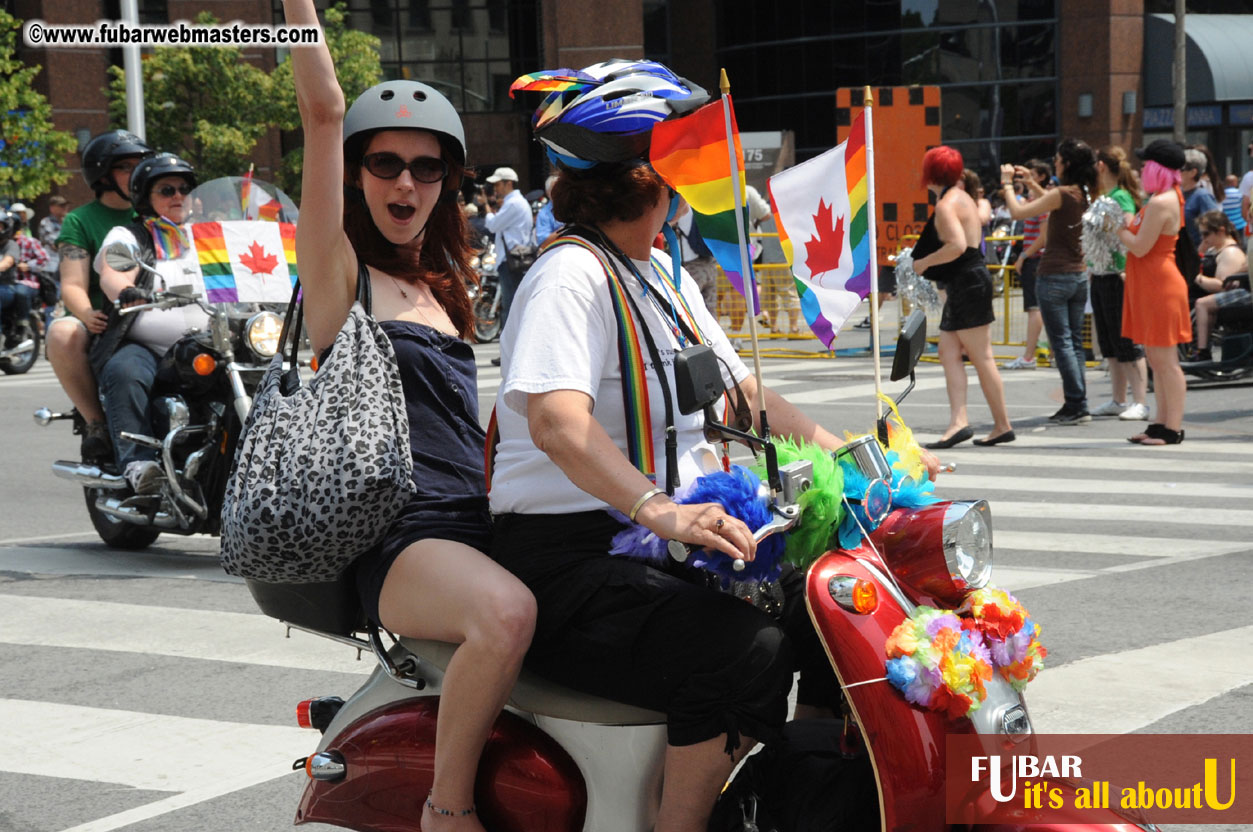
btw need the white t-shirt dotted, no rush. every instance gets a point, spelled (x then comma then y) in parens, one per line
(160, 329)
(562, 335)
(1246, 184)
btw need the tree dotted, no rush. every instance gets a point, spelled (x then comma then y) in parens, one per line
(32, 151)
(207, 104)
(356, 58)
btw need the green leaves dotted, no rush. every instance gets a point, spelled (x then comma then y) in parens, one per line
(32, 158)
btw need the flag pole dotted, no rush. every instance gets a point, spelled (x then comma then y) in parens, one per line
(874, 253)
(746, 267)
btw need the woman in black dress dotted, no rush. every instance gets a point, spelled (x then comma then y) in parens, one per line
(948, 253)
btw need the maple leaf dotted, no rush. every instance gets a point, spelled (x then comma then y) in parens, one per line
(257, 260)
(822, 253)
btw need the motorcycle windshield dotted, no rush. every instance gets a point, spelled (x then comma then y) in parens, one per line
(243, 234)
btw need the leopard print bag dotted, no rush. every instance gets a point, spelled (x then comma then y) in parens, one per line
(322, 470)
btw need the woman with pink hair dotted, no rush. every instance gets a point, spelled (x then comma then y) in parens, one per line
(1155, 299)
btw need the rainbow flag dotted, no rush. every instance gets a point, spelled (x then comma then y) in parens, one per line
(823, 202)
(167, 238)
(691, 155)
(243, 260)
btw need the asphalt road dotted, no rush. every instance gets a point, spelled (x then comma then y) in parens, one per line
(142, 691)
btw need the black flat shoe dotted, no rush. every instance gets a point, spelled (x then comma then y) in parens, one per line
(956, 439)
(1163, 435)
(1007, 436)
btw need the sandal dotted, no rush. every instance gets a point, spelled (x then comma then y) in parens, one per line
(1163, 435)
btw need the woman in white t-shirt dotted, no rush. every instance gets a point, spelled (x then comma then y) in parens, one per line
(568, 460)
(159, 189)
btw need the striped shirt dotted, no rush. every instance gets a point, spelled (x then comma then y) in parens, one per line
(1231, 207)
(1031, 231)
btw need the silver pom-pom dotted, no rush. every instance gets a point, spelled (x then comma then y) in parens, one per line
(1100, 234)
(912, 286)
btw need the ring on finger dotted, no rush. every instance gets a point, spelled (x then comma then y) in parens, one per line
(718, 525)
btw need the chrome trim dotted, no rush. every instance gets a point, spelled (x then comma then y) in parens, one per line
(248, 331)
(88, 476)
(840, 588)
(171, 473)
(141, 439)
(326, 765)
(243, 402)
(44, 417)
(389, 667)
(118, 509)
(953, 517)
(1002, 701)
(177, 411)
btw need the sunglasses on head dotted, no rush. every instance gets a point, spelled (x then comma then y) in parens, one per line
(427, 169)
(168, 191)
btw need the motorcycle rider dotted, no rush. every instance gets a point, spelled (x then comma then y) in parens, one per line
(127, 353)
(108, 160)
(612, 626)
(12, 296)
(379, 187)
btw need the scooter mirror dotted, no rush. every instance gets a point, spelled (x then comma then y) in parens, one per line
(697, 379)
(909, 345)
(121, 257)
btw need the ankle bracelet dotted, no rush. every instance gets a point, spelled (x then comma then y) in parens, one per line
(447, 812)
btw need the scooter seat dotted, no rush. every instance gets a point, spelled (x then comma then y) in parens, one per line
(537, 695)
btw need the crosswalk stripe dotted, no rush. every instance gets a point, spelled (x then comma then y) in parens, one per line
(1123, 691)
(1149, 515)
(169, 631)
(1125, 460)
(1108, 544)
(1059, 485)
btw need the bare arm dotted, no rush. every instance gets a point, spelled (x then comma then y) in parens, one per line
(1231, 260)
(75, 280)
(112, 281)
(1156, 215)
(330, 281)
(6, 262)
(1050, 201)
(948, 226)
(563, 427)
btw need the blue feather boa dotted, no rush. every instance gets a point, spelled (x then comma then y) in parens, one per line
(906, 493)
(740, 492)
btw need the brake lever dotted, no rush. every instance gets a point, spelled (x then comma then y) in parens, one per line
(164, 303)
(784, 519)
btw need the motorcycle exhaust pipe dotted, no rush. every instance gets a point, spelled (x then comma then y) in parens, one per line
(24, 346)
(88, 476)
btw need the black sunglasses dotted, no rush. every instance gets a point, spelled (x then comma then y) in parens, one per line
(427, 169)
(168, 191)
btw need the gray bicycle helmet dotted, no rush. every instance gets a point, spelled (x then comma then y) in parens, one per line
(104, 151)
(149, 171)
(401, 105)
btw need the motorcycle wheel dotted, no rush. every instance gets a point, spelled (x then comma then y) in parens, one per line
(22, 362)
(116, 533)
(486, 325)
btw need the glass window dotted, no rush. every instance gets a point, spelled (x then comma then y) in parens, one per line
(657, 30)
(998, 110)
(962, 56)
(926, 13)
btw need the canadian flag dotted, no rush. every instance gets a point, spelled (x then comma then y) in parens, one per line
(244, 260)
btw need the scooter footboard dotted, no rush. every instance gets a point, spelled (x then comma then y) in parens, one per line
(526, 781)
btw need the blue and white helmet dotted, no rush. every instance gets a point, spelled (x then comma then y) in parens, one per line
(605, 112)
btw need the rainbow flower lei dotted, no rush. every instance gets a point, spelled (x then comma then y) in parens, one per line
(941, 660)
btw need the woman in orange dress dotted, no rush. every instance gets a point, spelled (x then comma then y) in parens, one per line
(1155, 299)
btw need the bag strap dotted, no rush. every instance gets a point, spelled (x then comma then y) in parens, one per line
(293, 320)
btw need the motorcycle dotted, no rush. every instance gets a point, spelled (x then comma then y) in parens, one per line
(199, 402)
(559, 760)
(24, 334)
(486, 296)
(1231, 340)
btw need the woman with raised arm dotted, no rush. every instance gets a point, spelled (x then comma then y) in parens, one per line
(379, 187)
(1155, 299)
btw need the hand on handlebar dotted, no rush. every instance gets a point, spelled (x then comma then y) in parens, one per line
(133, 296)
(704, 525)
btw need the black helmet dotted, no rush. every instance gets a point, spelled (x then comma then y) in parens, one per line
(149, 171)
(401, 105)
(104, 151)
(8, 226)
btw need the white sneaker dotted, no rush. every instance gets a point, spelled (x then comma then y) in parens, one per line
(144, 476)
(1111, 408)
(1020, 363)
(1135, 413)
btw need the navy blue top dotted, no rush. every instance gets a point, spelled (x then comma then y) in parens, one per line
(442, 399)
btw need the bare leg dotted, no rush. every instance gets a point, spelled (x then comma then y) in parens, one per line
(446, 591)
(1118, 380)
(67, 353)
(978, 345)
(1170, 387)
(954, 381)
(1205, 309)
(695, 775)
(1137, 373)
(1035, 325)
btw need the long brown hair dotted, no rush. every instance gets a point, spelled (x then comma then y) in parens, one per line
(1115, 160)
(442, 262)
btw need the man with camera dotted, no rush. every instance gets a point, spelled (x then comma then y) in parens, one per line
(509, 218)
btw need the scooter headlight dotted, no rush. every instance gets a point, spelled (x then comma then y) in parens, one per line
(262, 332)
(967, 537)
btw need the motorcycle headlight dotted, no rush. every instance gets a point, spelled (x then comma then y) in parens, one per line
(261, 332)
(967, 537)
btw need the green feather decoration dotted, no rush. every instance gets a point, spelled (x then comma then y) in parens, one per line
(822, 506)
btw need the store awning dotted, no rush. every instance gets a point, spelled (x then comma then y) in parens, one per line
(1219, 59)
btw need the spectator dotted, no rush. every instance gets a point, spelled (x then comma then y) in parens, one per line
(698, 260)
(50, 229)
(1246, 193)
(1034, 235)
(1196, 201)
(1209, 181)
(1231, 205)
(509, 218)
(1062, 285)
(545, 224)
(10, 294)
(1126, 358)
(1223, 259)
(1155, 299)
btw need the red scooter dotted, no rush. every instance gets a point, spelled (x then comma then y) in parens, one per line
(563, 761)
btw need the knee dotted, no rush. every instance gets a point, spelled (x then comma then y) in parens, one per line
(65, 342)
(505, 619)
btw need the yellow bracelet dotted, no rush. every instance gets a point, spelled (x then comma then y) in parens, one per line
(644, 498)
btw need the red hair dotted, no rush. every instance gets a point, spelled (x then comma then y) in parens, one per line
(942, 166)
